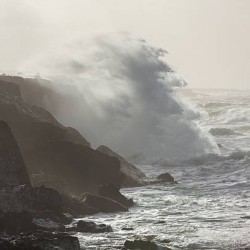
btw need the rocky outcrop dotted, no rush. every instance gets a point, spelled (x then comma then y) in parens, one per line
(21, 198)
(111, 192)
(57, 156)
(134, 177)
(12, 168)
(162, 179)
(102, 204)
(40, 241)
(90, 227)
(166, 177)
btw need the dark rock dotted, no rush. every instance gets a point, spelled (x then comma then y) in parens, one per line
(140, 244)
(29, 221)
(12, 167)
(166, 177)
(42, 241)
(127, 229)
(46, 224)
(166, 241)
(134, 177)
(160, 222)
(77, 207)
(247, 217)
(17, 222)
(52, 150)
(24, 197)
(90, 227)
(12, 88)
(66, 218)
(110, 191)
(102, 204)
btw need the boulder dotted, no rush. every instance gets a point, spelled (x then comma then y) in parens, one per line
(41, 240)
(134, 177)
(90, 227)
(102, 204)
(140, 245)
(166, 177)
(12, 167)
(110, 191)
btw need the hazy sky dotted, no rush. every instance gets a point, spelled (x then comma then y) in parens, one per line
(208, 40)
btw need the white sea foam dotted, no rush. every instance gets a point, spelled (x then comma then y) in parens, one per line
(237, 115)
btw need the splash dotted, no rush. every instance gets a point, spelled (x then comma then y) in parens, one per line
(119, 91)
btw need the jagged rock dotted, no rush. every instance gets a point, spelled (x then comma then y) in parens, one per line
(52, 150)
(113, 193)
(134, 177)
(12, 167)
(90, 227)
(102, 204)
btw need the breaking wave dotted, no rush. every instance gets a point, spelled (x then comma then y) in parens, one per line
(119, 91)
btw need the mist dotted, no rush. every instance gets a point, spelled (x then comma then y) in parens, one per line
(119, 91)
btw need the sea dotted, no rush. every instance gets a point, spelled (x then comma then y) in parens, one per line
(209, 208)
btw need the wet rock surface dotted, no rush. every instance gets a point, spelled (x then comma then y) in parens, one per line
(140, 244)
(134, 177)
(166, 177)
(40, 241)
(90, 227)
(102, 204)
(113, 193)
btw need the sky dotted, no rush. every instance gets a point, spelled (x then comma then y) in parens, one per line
(208, 41)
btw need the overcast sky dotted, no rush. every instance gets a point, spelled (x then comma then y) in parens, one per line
(208, 40)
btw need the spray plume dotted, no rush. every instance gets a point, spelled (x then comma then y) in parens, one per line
(118, 91)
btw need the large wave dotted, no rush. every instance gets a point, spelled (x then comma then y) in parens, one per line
(118, 91)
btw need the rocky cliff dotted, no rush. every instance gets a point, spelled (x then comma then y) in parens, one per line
(12, 168)
(52, 150)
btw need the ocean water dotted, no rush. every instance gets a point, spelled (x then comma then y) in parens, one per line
(209, 208)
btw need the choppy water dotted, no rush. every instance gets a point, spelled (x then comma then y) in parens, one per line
(210, 207)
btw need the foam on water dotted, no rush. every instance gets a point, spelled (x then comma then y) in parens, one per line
(208, 209)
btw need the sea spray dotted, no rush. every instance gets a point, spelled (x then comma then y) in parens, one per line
(118, 91)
